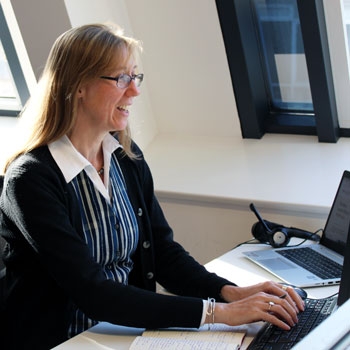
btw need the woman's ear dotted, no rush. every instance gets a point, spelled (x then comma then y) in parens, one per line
(80, 92)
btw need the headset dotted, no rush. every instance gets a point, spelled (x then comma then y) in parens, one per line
(277, 235)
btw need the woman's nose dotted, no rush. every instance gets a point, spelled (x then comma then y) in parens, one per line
(133, 89)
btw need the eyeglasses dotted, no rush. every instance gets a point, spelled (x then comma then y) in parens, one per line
(124, 80)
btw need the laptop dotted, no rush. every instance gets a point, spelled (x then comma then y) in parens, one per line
(316, 312)
(282, 262)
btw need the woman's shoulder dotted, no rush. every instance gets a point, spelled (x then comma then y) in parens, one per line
(36, 158)
(37, 164)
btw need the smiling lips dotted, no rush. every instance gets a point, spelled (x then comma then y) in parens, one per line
(123, 108)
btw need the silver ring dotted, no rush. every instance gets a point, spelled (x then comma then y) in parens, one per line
(271, 303)
(284, 287)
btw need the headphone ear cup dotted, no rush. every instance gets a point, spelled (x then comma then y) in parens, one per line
(259, 233)
(279, 238)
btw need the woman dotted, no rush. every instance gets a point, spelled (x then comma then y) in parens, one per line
(86, 238)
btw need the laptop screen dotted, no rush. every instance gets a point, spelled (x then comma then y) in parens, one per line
(337, 226)
(344, 289)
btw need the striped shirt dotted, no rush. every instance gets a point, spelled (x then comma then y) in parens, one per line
(109, 224)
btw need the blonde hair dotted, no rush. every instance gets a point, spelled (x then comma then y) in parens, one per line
(78, 55)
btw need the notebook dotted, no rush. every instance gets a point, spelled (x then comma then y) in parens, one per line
(282, 263)
(316, 311)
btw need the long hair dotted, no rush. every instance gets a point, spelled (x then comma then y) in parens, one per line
(77, 56)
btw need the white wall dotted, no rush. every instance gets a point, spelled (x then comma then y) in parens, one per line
(186, 66)
(187, 79)
(208, 230)
(40, 22)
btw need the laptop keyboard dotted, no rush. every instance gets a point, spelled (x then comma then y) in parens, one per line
(313, 261)
(273, 338)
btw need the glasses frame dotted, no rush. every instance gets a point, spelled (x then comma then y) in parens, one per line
(138, 78)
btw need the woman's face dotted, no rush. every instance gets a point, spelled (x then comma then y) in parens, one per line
(104, 106)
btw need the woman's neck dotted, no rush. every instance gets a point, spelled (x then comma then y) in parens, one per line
(89, 147)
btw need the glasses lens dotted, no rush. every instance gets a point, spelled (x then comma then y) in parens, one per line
(138, 79)
(123, 81)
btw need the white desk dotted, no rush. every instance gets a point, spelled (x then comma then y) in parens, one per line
(232, 265)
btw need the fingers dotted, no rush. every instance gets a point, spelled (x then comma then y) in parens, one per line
(272, 309)
(283, 304)
(273, 318)
(261, 306)
(282, 309)
(280, 290)
(268, 301)
(293, 297)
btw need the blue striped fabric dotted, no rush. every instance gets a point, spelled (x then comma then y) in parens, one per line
(110, 230)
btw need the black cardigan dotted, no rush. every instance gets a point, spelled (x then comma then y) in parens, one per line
(50, 270)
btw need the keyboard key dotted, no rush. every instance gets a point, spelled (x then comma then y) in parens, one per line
(272, 337)
(313, 261)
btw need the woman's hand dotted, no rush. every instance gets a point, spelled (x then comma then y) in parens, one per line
(232, 293)
(267, 301)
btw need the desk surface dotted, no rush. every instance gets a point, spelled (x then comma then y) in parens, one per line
(232, 265)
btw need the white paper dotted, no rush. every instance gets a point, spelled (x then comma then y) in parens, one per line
(220, 337)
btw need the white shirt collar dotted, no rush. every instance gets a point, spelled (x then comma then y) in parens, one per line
(71, 162)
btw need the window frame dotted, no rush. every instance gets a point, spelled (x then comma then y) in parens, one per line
(14, 64)
(247, 75)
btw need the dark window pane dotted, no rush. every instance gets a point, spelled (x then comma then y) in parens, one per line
(282, 48)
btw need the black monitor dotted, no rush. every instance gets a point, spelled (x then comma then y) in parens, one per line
(344, 289)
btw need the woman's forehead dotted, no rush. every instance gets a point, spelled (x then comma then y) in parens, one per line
(124, 63)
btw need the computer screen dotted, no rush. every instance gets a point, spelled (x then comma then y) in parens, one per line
(344, 289)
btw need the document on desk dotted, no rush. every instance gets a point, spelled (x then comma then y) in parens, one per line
(220, 337)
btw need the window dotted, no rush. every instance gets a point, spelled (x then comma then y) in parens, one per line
(282, 47)
(13, 88)
(346, 15)
(338, 21)
(9, 99)
(280, 65)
